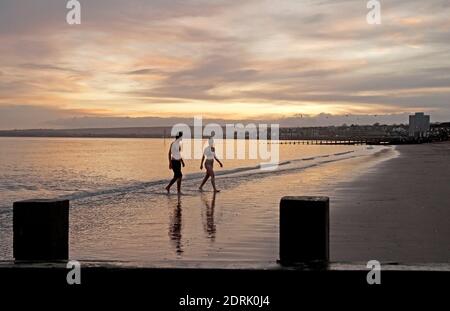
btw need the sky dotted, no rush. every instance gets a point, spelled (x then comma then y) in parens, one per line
(131, 61)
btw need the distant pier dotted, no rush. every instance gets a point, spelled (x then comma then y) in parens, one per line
(354, 141)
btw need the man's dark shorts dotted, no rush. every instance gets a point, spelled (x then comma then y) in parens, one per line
(176, 167)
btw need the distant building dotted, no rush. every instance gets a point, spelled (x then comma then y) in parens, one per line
(419, 125)
(399, 131)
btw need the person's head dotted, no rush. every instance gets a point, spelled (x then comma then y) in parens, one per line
(211, 139)
(179, 136)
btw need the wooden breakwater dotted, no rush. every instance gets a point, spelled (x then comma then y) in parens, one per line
(41, 230)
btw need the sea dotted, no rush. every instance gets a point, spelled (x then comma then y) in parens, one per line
(119, 210)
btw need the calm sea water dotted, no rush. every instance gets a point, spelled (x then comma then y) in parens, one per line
(119, 210)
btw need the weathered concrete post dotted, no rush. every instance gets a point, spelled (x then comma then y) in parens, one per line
(41, 230)
(304, 229)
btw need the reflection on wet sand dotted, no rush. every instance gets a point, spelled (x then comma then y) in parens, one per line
(175, 225)
(209, 225)
(176, 220)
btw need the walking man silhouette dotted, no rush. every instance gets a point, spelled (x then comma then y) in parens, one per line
(175, 162)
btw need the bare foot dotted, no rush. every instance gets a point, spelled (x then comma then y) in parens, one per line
(216, 190)
(168, 189)
(200, 189)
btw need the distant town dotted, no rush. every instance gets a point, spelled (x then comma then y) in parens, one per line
(419, 130)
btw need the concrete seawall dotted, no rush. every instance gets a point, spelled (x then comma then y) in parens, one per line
(99, 272)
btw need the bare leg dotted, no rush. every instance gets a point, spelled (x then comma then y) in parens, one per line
(213, 179)
(204, 181)
(213, 182)
(170, 184)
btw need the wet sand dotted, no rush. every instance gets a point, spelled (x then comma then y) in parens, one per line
(397, 211)
(383, 206)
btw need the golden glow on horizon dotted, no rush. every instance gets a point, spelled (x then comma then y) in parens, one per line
(292, 59)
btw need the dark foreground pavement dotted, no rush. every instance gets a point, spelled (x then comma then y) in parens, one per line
(168, 286)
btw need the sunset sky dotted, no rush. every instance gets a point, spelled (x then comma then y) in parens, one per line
(221, 59)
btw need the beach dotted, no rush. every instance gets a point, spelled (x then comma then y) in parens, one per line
(398, 210)
(386, 203)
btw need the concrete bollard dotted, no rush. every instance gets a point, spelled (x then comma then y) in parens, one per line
(304, 229)
(41, 230)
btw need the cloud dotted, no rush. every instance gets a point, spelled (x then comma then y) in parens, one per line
(38, 117)
(323, 119)
(166, 58)
(145, 71)
(32, 117)
(47, 67)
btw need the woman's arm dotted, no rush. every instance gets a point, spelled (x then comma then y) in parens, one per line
(201, 163)
(221, 165)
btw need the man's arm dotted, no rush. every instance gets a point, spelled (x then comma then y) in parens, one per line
(181, 159)
(201, 164)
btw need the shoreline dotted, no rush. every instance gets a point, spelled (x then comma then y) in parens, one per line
(397, 210)
(239, 225)
(365, 224)
(343, 274)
